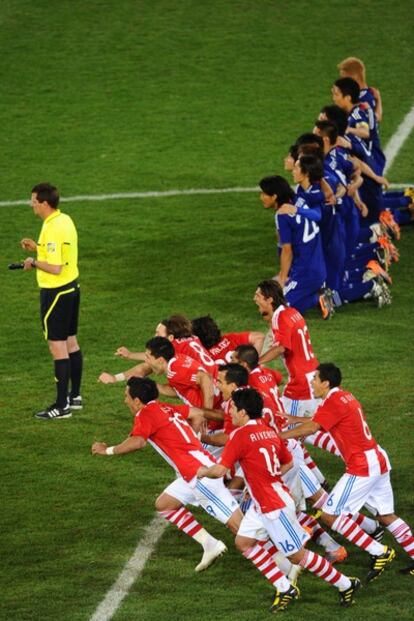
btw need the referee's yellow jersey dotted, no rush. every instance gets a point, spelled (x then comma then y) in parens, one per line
(58, 245)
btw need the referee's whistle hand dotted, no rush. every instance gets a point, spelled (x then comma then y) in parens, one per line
(28, 244)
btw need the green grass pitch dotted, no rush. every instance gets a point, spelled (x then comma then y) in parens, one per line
(139, 96)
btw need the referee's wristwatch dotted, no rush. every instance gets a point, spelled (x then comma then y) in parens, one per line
(33, 262)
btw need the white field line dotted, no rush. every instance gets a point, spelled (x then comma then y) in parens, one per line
(398, 138)
(131, 571)
(155, 194)
(391, 151)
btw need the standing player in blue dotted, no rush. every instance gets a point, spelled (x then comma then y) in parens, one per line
(302, 271)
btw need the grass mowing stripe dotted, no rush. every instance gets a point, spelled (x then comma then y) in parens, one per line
(131, 571)
(156, 194)
(398, 138)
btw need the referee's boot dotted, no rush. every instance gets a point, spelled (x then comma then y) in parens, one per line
(75, 403)
(53, 412)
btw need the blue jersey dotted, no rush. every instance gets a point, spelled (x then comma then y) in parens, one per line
(366, 96)
(304, 237)
(337, 162)
(364, 115)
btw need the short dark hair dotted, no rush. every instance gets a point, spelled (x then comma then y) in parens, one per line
(235, 373)
(328, 372)
(160, 347)
(350, 87)
(272, 289)
(142, 388)
(250, 400)
(312, 166)
(309, 138)
(207, 330)
(46, 192)
(311, 149)
(338, 116)
(328, 129)
(179, 326)
(293, 151)
(247, 354)
(277, 185)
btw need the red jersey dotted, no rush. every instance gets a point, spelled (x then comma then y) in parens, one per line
(192, 346)
(166, 429)
(341, 414)
(221, 352)
(266, 382)
(260, 453)
(291, 332)
(270, 415)
(182, 376)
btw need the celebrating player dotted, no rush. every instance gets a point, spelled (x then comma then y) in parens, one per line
(263, 458)
(367, 476)
(166, 427)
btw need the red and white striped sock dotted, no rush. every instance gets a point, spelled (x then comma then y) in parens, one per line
(318, 534)
(312, 466)
(281, 561)
(267, 566)
(323, 569)
(185, 521)
(403, 534)
(351, 531)
(366, 523)
(324, 441)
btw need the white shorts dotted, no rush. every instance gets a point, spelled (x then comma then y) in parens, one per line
(302, 407)
(352, 492)
(310, 484)
(281, 526)
(211, 494)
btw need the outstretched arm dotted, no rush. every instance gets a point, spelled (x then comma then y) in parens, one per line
(130, 444)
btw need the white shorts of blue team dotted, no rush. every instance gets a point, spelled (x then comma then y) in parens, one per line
(211, 494)
(281, 526)
(351, 493)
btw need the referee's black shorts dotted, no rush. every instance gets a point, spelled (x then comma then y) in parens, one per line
(59, 311)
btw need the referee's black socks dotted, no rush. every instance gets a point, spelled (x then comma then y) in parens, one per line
(76, 366)
(62, 375)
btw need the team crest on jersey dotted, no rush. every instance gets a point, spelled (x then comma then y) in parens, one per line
(51, 247)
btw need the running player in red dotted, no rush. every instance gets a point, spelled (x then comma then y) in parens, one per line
(367, 476)
(265, 382)
(167, 429)
(221, 346)
(263, 458)
(291, 342)
(263, 379)
(186, 378)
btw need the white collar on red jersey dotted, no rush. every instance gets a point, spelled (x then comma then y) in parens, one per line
(277, 312)
(173, 359)
(331, 392)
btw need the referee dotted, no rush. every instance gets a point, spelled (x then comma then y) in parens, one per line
(56, 266)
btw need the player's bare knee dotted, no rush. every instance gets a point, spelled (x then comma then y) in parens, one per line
(296, 557)
(243, 543)
(327, 518)
(388, 519)
(234, 522)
